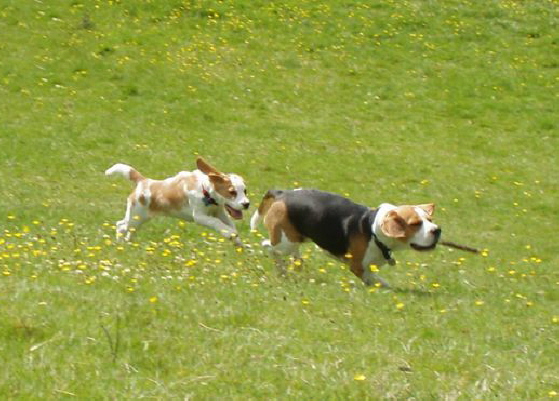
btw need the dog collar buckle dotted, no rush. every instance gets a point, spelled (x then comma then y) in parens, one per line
(208, 200)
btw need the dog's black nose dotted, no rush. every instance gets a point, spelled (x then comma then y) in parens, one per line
(437, 233)
(246, 205)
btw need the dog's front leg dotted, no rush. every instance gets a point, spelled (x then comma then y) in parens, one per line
(370, 278)
(225, 219)
(217, 225)
(362, 269)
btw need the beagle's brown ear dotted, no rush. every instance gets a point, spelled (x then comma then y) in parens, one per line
(428, 208)
(393, 225)
(218, 178)
(204, 167)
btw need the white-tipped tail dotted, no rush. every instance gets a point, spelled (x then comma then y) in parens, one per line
(255, 220)
(119, 169)
(125, 171)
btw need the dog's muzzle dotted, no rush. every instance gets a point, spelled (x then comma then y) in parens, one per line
(436, 235)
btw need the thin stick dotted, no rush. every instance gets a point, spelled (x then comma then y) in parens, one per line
(110, 340)
(461, 247)
(117, 335)
(113, 346)
(209, 328)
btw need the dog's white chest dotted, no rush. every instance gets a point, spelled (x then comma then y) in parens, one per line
(373, 255)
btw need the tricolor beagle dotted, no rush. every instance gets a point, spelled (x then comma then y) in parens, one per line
(358, 235)
(205, 196)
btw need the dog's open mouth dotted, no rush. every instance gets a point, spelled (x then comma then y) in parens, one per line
(424, 247)
(234, 213)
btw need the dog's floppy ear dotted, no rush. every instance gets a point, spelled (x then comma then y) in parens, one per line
(428, 208)
(217, 178)
(393, 225)
(204, 167)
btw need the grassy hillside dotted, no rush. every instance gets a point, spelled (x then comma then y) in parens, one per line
(450, 102)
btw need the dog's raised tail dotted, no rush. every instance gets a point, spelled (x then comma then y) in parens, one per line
(267, 200)
(125, 171)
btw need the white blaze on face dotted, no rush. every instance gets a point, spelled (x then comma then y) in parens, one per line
(425, 236)
(231, 191)
(241, 199)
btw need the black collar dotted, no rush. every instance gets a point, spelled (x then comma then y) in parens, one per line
(386, 251)
(208, 200)
(367, 228)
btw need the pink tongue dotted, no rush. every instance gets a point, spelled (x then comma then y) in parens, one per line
(236, 214)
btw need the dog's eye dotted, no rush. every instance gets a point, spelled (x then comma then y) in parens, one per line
(232, 192)
(416, 223)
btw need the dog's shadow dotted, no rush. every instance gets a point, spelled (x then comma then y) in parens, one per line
(413, 291)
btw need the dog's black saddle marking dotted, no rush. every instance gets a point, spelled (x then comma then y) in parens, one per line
(330, 220)
(327, 219)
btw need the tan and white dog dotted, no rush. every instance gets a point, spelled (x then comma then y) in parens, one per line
(204, 196)
(356, 234)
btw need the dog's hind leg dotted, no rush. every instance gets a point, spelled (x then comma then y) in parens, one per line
(122, 225)
(279, 260)
(134, 217)
(284, 239)
(281, 247)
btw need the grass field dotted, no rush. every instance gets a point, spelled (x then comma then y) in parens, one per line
(452, 102)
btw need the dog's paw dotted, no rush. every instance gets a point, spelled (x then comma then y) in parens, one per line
(372, 279)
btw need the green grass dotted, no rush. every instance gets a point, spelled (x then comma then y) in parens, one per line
(448, 102)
